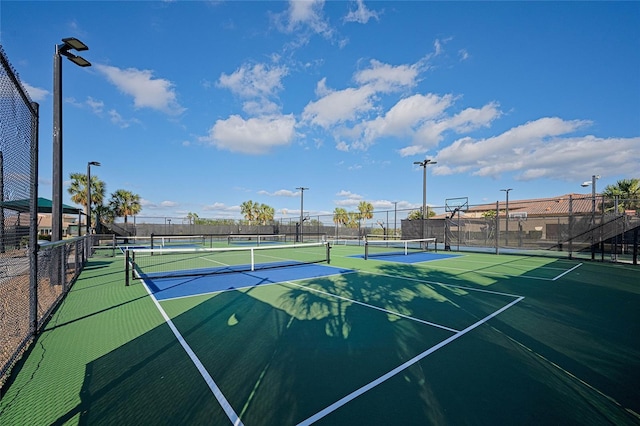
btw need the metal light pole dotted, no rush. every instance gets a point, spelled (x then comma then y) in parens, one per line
(506, 238)
(301, 189)
(424, 165)
(61, 50)
(593, 211)
(89, 164)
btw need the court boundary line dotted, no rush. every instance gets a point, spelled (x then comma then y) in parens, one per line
(350, 397)
(350, 271)
(234, 417)
(481, 290)
(217, 392)
(566, 272)
(367, 305)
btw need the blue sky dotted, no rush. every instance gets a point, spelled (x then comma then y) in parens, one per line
(198, 106)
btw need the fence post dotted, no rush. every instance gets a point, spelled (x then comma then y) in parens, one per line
(497, 236)
(126, 267)
(570, 227)
(635, 246)
(33, 223)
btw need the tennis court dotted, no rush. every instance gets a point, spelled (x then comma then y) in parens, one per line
(450, 338)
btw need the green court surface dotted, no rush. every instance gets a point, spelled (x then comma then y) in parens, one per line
(471, 339)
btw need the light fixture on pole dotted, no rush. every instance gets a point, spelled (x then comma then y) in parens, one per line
(89, 164)
(594, 178)
(63, 49)
(506, 238)
(425, 214)
(301, 189)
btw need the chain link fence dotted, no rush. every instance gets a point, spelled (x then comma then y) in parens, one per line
(18, 156)
(572, 226)
(33, 278)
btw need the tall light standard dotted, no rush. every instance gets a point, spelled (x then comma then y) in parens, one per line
(89, 164)
(594, 178)
(301, 189)
(424, 165)
(63, 49)
(506, 238)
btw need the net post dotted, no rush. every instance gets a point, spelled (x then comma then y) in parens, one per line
(126, 267)
(328, 253)
(253, 261)
(435, 244)
(366, 250)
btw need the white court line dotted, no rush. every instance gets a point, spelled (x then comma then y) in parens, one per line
(331, 408)
(480, 290)
(235, 419)
(566, 272)
(252, 285)
(375, 307)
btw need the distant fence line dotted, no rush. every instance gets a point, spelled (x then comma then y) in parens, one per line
(571, 226)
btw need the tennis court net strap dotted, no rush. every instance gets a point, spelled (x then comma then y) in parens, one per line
(185, 262)
(374, 248)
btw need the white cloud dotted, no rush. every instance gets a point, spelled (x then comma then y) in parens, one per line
(348, 199)
(256, 84)
(35, 93)
(361, 14)
(280, 193)
(544, 148)
(304, 15)
(402, 118)
(95, 105)
(384, 77)
(119, 121)
(221, 207)
(147, 204)
(259, 80)
(147, 92)
(339, 106)
(252, 136)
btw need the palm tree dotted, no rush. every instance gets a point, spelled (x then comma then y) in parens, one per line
(248, 209)
(340, 217)
(354, 220)
(264, 213)
(628, 193)
(124, 203)
(78, 189)
(192, 218)
(102, 214)
(366, 211)
(417, 214)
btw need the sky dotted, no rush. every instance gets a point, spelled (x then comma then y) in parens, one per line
(198, 106)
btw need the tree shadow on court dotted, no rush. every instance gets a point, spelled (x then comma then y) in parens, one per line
(280, 354)
(562, 335)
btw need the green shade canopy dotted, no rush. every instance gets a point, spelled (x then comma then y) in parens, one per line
(44, 206)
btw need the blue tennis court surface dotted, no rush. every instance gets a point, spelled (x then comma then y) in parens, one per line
(170, 288)
(400, 257)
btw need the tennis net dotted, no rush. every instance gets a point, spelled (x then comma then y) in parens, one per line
(256, 240)
(177, 241)
(375, 248)
(185, 262)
